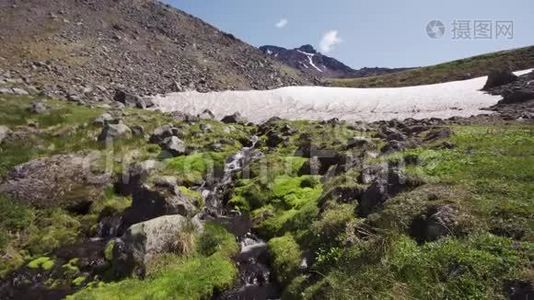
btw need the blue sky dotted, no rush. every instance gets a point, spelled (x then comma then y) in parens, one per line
(368, 33)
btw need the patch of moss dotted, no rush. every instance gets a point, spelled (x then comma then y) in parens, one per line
(108, 251)
(78, 280)
(194, 196)
(45, 263)
(193, 168)
(286, 255)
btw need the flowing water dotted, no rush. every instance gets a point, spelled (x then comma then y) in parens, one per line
(255, 277)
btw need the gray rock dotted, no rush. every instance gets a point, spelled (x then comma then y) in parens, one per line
(162, 133)
(132, 100)
(4, 133)
(19, 92)
(174, 145)
(138, 130)
(103, 119)
(114, 131)
(58, 181)
(358, 142)
(143, 241)
(38, 107)
(6, 91)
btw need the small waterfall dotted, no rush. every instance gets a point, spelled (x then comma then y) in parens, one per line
(255, 277)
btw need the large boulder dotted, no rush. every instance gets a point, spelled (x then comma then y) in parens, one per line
(499, 77)
(160, 198)
(143, 241)
(114, 131)
(58, 181)
(518, 95)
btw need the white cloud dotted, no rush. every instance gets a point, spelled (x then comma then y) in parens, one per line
(282, 23)
(329, 41)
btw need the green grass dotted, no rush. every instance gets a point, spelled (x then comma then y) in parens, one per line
(174, 277)
(517, 59)
(194, 168)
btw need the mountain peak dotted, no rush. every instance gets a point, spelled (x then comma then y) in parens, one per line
(307, 48)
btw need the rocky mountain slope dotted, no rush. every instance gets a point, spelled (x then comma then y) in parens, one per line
(309, 61)
(85, 49)
(462, 69)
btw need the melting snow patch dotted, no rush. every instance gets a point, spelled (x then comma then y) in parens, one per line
(444, 100)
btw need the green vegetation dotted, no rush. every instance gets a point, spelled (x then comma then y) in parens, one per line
(286, 257)
(518, 59)
(45, 263)
(193, 168)
(175, 277)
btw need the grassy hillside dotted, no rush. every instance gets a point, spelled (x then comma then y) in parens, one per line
(516, 59)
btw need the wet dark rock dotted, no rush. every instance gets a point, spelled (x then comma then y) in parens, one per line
(159, 199)
(274, 139)
(435, 223)
(59, 181)
(520, 290)
(114, 131)
(320, 162)
(174, 146)
(235, 118)
(499, 77)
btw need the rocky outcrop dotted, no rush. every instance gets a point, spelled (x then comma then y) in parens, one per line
(58, 181)
(131, 100)
(99, 47)
(499, 77)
